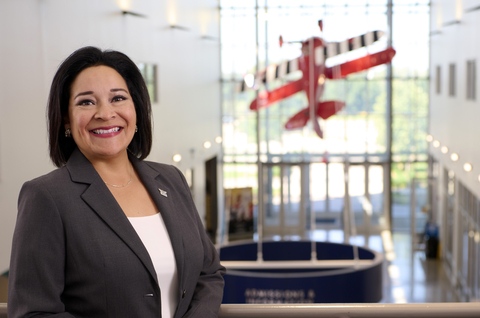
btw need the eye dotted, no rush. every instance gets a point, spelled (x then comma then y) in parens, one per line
(118, 98)
(85, 102)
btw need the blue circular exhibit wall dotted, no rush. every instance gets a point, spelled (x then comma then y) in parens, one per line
(266, 282)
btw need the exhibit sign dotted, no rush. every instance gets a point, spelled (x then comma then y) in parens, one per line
(239, 213)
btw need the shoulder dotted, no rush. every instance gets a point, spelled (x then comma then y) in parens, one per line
(167, 175)
(165, 169)
(41, 194)
(49, 180)
(53, 186)
(159, 167)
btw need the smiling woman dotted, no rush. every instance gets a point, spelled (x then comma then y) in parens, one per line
(61, 146)
(101, 113)
(111, 235)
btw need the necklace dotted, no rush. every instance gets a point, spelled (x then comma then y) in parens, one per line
(119, 185)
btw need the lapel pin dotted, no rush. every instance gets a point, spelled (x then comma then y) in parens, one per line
(163, 192)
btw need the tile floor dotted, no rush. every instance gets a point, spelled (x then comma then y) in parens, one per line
(408, 277)
(413, 278)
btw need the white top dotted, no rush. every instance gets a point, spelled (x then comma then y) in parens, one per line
(153, 233)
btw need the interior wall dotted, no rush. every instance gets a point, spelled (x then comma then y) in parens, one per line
(36, 35)
(454, 119)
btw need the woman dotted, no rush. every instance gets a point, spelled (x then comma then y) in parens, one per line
(108, 234)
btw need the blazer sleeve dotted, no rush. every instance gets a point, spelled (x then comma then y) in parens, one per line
(208, 292)
(36, 278)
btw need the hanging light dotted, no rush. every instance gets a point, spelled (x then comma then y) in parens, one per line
(124, 4)
(177, 158)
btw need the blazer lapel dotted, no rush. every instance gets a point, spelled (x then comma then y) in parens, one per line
(99, 198)
(159, 191)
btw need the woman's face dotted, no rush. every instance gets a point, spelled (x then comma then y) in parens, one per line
(101, 113)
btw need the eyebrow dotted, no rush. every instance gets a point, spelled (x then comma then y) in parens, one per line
(118, 89)
(83, 93)
(91, 92)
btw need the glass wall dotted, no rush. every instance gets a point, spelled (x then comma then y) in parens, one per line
(385, 115)
(468, 247)
(410, 38)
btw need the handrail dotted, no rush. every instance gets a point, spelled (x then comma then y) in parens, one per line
(315, 264)
(423, 310)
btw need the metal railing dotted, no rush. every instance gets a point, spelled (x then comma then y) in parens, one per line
(437, 310)
(425, 310)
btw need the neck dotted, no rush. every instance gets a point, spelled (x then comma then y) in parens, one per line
(116, 171)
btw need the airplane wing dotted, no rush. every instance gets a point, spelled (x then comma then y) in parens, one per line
(322, 52)
(360, 64)
(336, 48)
(276, 95)
(271, 73)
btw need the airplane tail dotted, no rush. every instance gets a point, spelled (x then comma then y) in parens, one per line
(329, 108)
(324, 110)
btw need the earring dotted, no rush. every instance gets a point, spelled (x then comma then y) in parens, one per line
(136, 128)
(68, 133)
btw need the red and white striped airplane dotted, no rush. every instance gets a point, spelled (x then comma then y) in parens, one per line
(312, 64)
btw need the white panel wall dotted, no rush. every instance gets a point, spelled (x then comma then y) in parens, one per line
(36, 35)
(454, 120)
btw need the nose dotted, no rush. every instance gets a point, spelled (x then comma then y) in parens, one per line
(105, 110)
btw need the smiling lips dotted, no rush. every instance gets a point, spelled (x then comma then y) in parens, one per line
(106, 132)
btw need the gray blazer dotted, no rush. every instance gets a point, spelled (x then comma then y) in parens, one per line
(75, 254)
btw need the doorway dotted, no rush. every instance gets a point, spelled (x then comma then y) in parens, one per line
(284, 199)
(341, 197)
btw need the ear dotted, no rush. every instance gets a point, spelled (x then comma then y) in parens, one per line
(66, 121)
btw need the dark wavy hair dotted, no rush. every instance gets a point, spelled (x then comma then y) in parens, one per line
(57, 110)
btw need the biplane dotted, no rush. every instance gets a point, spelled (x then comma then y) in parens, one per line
(311, 62)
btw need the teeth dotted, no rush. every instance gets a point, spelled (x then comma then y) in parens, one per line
(105, 131)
